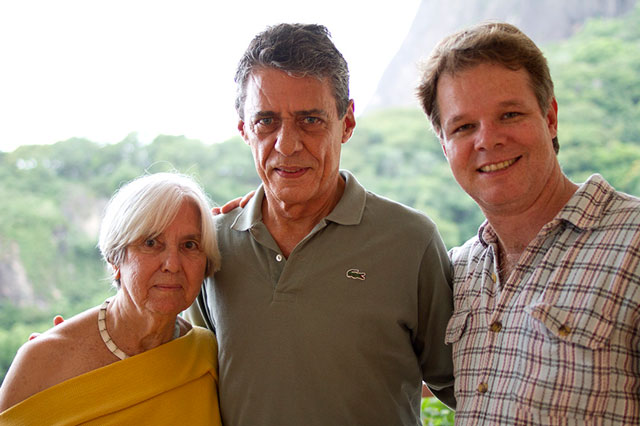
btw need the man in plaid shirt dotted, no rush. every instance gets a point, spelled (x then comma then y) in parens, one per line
(546, 324)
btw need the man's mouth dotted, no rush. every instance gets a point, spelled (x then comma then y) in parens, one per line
(498, 166)
(290, 171)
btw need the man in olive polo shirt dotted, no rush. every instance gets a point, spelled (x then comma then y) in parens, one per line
(331, 303)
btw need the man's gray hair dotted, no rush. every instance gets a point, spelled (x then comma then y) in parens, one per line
(145, 207)
(297, 49)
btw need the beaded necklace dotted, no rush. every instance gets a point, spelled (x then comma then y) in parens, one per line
(106, 338)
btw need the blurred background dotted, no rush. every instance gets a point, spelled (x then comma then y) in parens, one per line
(93, 94)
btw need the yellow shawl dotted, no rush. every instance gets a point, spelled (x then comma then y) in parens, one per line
(175, 383)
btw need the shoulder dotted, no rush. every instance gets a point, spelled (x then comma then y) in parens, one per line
(597, 195)
(45, 361)
(30, 370)
(203, 336)
(383, 210)
(624, 207)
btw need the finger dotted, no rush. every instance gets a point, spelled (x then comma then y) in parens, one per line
(33, 336)
(216, 211)
(57, 320)
(247, 198)
(230, 205)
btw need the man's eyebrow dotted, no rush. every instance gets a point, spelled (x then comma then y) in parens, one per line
(263, 114)
(511, 103)
(314, 111)
(453, 120)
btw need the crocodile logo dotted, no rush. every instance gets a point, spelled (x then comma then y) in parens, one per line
(355, 274)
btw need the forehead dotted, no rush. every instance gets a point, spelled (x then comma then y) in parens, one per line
(482, 86)
(186, 221)
(188, 214)
(273, 90)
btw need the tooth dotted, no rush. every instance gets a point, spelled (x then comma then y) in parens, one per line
(497, 166)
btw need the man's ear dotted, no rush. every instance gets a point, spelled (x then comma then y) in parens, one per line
(442, 145)
(552, 117)
(349, 123)
(242, 131)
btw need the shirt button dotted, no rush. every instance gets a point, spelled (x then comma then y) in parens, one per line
(564, 331)
(279, 257)
(496, 327)
(493, 277)
(483, 387)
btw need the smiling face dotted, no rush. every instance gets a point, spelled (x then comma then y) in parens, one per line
(295, 134)
(163, 274)
(497, 140)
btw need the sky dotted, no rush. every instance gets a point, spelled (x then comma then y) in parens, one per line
(102, 70)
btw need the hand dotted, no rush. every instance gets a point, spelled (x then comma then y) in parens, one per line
(56, 320)
(230, 205)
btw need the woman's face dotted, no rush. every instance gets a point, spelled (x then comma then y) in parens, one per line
(163, 274)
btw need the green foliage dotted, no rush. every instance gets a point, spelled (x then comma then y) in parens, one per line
(598, 90)
(435, 413)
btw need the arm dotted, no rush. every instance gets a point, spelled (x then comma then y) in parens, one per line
(26, 374)
(435, 307)
(198, 312)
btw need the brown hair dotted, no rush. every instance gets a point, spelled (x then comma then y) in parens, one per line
(494, 42)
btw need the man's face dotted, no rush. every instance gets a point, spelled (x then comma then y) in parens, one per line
(293, 129)
(496, 138)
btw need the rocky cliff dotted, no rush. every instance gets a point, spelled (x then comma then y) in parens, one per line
(542, 20)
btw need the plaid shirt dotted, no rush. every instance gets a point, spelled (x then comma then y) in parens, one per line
(558, 342)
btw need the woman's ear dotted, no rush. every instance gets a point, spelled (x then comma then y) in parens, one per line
(116, 272)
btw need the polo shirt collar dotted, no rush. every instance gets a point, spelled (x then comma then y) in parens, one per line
(350, 208)
(348, 211)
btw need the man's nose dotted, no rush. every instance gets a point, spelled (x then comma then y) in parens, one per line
(289, 138)
(489, 136)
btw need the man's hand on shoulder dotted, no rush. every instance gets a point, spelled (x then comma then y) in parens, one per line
(230, 205)
(56, 321)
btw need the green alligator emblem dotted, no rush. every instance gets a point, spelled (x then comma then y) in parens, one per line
(355, 274)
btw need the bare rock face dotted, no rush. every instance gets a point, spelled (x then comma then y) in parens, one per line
(542, 20)
(14, 284)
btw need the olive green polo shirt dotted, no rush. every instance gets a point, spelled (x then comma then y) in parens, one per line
(343, 331)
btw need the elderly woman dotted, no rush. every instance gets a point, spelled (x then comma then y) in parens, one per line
(131, 360)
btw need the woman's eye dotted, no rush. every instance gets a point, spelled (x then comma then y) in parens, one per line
(191, 245)
(150, 242)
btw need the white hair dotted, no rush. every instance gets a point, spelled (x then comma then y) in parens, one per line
(144, 207)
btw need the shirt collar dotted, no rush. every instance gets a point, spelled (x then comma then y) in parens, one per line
(583, 210)
(348, 211)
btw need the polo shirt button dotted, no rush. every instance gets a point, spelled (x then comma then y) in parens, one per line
(493, 277)
(496, 327)
(279, 257)
(483, 387)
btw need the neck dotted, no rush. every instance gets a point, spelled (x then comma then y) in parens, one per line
(517, 228)
(135, 331)
(290, 223)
